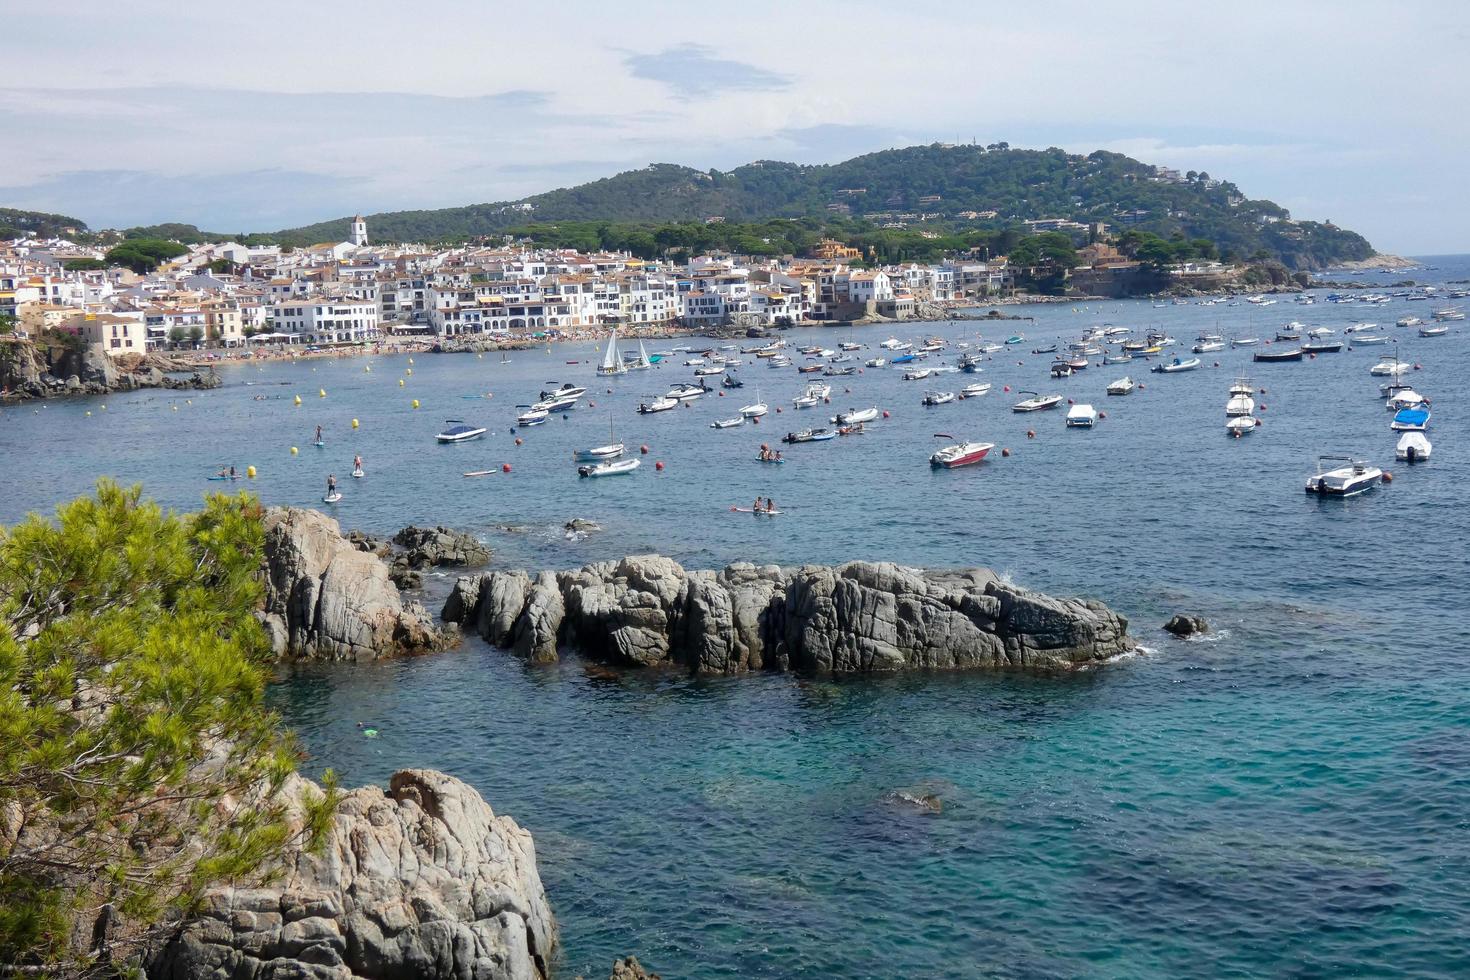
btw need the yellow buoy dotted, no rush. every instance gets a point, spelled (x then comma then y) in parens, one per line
(415, 403)
(321, 392)
(410, 360)
(294, 450)
(89, 415)
(400, 382)
(408, 370)
(354, 423)
(250, 472)
(298, 399)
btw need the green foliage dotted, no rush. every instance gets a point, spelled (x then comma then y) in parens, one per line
(7, 324)
(196, 333)
(176, 335)
(138, 767)
(1016, 184)
(84, 265)
(15, 223)
(143, 255)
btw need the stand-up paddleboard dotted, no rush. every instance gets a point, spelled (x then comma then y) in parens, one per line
(748, 510)
(222, 478)
(319, 443)
(479, 472)
(332, 498)
(759, 460)
(358, 474)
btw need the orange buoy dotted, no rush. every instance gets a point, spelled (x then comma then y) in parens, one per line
(505, 467)
(1141, 386)
(518, 440)
(1387, 477)
(1217, 364)
(591, 404)
(756, 420)
(1102, 415)
(643, 450)
(720, 393)
(1417, 367)
(659, 466)
(885, 413)
(1006, 453)
(1259, 423)
(1070, 402)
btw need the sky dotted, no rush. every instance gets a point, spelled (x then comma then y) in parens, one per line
(268, 115)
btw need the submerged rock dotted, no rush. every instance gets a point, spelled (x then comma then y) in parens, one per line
(1181, 625)
(421, 881)
(647, 610)
(631, 969)
(326, 599)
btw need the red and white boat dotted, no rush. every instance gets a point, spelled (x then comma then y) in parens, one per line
(963, 454)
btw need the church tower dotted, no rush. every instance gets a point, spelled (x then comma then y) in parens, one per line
(359, 231)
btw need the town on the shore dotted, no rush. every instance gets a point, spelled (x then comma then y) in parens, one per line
(254, 300)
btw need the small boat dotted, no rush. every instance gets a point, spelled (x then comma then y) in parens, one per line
(975, 390)
(709, 370)
(820, 389)
(458, 431)
(970, 363)
(1018, 339)
(905, 358)
(727, 423)
(662, 404)
(612, 363)
(598, 453)
(1356, 477)
(1405, 398)
(686, 392)
(810, 435)
(876, 362)
(1081, 416)
(1245, 342)
(1365, 340)
(563, 391)
(1061, 369)
(535, 416)
(1176, 366)
(1123, 386)
(1410, 420)
(731, 382)
(938, 398)
(1438, 331)
(835, 372)
(1443, 315)
(1207, 343)
(1118, 359)
(1240, 425)
(1318, 332)
(809, 369)
(618, 467)
(554, 405)
(1036, 403)
(855, 417)
(849, 345)
(1413, 447)
(1044, 350)
(893, 343)
(805, 401)
(755, 410)
(960, 454)
(1242, 386)
(1389, 368)
(1239, 405)
(1273, 356)
(1322, 347)
(918, 375)
(1408, 321)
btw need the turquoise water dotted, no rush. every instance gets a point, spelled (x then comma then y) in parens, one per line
(1287, 797)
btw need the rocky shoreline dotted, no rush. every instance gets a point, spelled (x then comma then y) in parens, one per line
(27, 373)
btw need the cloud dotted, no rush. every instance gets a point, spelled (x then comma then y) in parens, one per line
(692, 71)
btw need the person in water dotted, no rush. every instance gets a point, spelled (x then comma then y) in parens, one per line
(331, 484)
(357, 464)
(222, 472)
(233, 474)
(778, 455)
(318, 433)
(770, 506)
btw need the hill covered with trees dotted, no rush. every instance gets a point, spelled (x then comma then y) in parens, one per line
(948, 189)
(15, 223)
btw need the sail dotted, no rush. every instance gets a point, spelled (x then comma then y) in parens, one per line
(643, 360)
(611, 363)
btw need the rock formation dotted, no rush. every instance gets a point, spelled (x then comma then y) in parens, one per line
(1182, 625)
(28, 371)
(647, 610)
(327, 599)
(421, 881)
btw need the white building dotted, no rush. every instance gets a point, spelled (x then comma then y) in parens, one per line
(359, 231)
(327, 320)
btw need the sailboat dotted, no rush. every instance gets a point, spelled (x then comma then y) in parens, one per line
(597, 454)
(611, 364)
(644, 362)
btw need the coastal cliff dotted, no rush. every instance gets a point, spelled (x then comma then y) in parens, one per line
(647, 610)
(422, 880)
(29, 371)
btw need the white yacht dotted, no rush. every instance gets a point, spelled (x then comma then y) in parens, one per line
(1354, 477)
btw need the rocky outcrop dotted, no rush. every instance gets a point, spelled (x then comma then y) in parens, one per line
(631, 969)
(421, 881)
(327, 599)
(647, 610)
(29, 371)
(1183, 626)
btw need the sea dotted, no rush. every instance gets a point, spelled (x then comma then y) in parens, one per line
(1287, 796)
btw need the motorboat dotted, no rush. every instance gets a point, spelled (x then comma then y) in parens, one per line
(554, 405)
(918, 375)
(893, 343)
(727, 423)
(1449, 314)
(1061, 369)
(820, 389)
(960, 454)
(1274, 356)
(1245, 342)
(1123, 386)
(876, 361)
(1410, 419)
(938, 398)
(805, 401)
(970, 363)
(1413, 447)
(1322, 347)
(810, 435)
(1176, 366)
(849, 345)
(1391, 388)
(1240, 425)
(1077, 363)
(1036, 403)
(855, 417)
(459, 431)
(731, 381)
(779, 361)
(1405, 398)
(686, 392)
(1317, 332)
(611, 364)
(1118, 359)
(709, 370)
(1017, 339)
(1134, 346)
(1408, 321)
(620, 467)
(1081, 416)
(1241, 386)
(1357, 476)
(535, 416)
(809, 369)
(563, 391)
(1438, 331)
(1389, 368)
(1044, 350)
(1239, 404)
(1358, 328)
(906, 358)
(1208, 344)
(660, 404)
(1366, 340)
(975, 390)
(842, 372)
